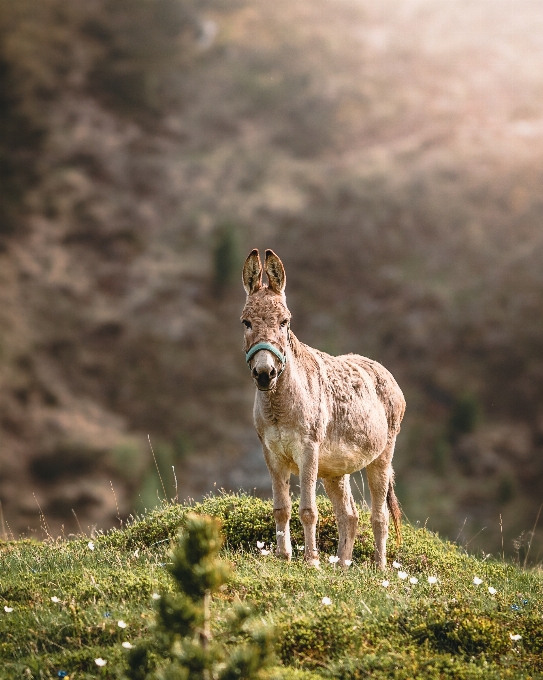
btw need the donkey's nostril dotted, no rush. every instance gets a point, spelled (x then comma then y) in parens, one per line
(273, 373)
(255, 373)
(263, 379)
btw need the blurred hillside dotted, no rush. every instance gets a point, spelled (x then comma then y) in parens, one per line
(390, 154)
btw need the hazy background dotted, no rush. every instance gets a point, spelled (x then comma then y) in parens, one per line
(390, 153)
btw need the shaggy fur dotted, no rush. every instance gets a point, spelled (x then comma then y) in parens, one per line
(324, 417)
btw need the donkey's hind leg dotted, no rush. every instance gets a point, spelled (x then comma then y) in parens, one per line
(339, 492)
(379, 478)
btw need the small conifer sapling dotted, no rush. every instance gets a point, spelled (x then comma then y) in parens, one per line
(183, 647)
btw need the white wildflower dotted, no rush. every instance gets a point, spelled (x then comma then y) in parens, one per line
(326, 601)
(155, 596)
(492, 590)
(265, 552)
(333, 559)
(121, 624)
(402, 575)
(348, 563)
(127, 645)
(515, 637)
(477, 581)
(385, 583)
(396, 565)
(137, 552)
(432, 579)
(8, 610)
(55, 599)
(260, 544)
(413, 580)
(300, 547)
(90, 546)
(100, 662)
(280, 533)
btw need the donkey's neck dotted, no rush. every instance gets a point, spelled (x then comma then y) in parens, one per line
(280, 403)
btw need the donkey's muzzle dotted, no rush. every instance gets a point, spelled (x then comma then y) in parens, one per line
(264, 377)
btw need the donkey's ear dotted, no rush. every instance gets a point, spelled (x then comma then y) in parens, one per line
(276, 272)
(252, 273)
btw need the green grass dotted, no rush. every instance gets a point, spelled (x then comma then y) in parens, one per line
(451, 629)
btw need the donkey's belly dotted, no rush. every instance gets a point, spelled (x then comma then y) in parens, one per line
(343, 459)
(287, 450)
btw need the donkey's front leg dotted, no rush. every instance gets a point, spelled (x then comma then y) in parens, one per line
(308, 504)
(282, 505)
(281, 511)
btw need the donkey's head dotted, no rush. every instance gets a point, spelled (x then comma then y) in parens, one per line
(266, 319)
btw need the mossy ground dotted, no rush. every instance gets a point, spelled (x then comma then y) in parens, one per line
(450, 629)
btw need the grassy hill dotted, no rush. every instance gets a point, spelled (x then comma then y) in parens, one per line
(61, 601)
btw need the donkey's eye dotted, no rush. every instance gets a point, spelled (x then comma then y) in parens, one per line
(284, 323)
(246, 323)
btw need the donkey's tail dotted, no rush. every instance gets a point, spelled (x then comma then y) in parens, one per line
(395, 511)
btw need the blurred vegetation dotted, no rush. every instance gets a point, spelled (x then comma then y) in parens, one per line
(147, 145)
(183, 646)
(20, 140)
(144, 47)
(464, 417)
(227, 258)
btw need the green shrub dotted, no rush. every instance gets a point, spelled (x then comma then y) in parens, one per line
(459, 630)
(227, 258)
(316, 637)
(464, 417)
(246, 520)
(408, 666)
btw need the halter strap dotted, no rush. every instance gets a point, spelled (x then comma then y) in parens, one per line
(266, 345)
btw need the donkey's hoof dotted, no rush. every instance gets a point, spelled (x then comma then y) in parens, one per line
(284, 556)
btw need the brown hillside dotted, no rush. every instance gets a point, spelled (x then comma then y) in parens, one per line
(390, 153)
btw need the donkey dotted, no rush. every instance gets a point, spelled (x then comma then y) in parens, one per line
(318, 416)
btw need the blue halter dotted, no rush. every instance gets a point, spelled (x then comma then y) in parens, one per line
(266, 345)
